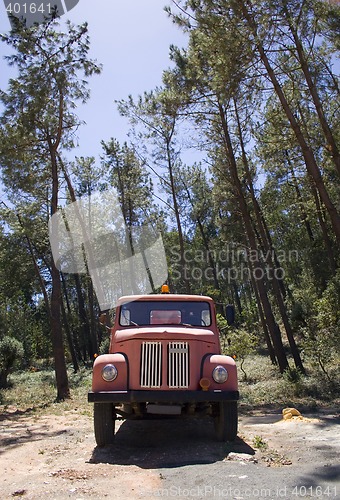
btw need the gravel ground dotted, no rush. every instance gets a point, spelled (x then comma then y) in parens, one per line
(55, 457)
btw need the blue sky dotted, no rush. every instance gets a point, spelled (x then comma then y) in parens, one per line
(131, 39)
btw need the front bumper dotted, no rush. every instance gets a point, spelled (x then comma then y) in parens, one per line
(161, 396)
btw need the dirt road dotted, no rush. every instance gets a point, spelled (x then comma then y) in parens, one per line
(55, 457)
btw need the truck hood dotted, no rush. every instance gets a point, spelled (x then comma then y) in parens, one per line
(166, 333)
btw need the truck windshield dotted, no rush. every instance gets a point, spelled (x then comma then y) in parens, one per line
(141, 313)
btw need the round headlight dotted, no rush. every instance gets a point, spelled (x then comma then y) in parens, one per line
(220, 374)
(109, 373)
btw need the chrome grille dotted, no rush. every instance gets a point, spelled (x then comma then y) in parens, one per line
(178, 365)
(151, 364)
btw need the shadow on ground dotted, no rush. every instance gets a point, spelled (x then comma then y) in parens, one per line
(19, 433)
(327, 473)
(167, 443)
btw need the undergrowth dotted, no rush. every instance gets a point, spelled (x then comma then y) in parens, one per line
(33, 390)
(264, 388)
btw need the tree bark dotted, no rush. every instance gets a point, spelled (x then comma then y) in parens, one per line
(268, 251)
(63, 390)
(332, 146)
(89, 344)
(324, 230)
(267, 338)
(68, 334)
(308, 155)
(270, 320)
(178, 219)
(301, 204)
(36, 268)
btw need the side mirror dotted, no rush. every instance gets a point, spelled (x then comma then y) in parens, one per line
(230, 314)
(104, 319)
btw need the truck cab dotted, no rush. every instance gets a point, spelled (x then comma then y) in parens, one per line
(164, 361)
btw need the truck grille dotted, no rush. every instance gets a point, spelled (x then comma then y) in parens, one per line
(151, 364)
(178, 365)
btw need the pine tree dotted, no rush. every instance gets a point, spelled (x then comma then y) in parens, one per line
(37, 123)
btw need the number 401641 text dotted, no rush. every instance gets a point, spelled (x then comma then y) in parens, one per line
(29, 8)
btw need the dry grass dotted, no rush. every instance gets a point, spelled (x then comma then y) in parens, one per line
(264, 388)
(35, 390)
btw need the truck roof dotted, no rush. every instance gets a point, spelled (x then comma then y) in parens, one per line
(164, 297)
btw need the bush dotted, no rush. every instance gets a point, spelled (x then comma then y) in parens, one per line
(241, 345)
(104, 346)
(10, 351)
(236, 342)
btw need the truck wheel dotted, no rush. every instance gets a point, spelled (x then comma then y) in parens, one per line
(104, 423)
(225, 421)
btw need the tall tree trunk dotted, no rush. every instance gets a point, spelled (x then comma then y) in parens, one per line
(268, 251)
(332, 146)
(267, 338)
(89, 346)
(69, 335)
(237, 298)
(308, 155)
(93, 322)
(178, 220)
(322, 223)
(324, 230)
(36, 267)
(267, 309)
(63, 390)
(305, 217)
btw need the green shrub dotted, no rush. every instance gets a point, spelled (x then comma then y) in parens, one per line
(104, 346)
(11, 350)
(237, 342)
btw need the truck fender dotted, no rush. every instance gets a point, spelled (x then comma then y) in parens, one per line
(210, 362)
(120, 361)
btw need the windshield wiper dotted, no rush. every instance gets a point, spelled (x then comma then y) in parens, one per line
(133, 323)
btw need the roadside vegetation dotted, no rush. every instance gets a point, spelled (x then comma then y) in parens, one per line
(266, 390)
(33, 391)
(263, 389)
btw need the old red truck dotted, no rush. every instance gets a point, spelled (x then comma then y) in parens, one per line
(164, 361)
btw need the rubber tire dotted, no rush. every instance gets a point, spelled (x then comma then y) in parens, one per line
(104, 418)
(226, 421)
